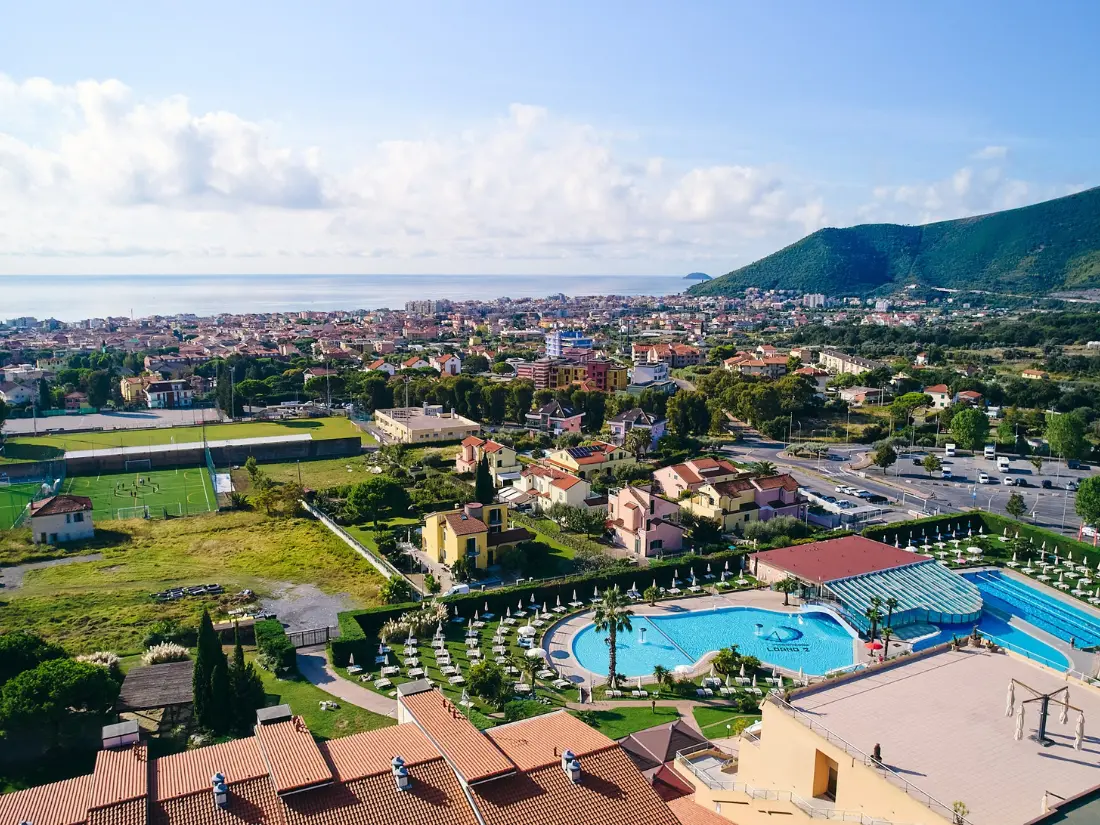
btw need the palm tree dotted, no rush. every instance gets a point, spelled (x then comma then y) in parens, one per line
(762, 468)
(612, 617)
(891, 605)
(887, 634)
(874, 616)
(787, 586)
(637, 441)
(661, 675)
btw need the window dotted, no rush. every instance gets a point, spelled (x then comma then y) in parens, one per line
(471, 546)
(657, 544)
(78, 517)
(825, 777)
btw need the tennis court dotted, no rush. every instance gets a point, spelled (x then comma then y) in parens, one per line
(14, 499)
(146, 493)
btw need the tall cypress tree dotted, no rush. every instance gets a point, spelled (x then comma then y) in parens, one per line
(246, 688)
(211, 679)
(484, 490)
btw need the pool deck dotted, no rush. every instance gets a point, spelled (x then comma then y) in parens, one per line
(557, 641)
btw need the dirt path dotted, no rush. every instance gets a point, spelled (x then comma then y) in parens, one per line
(12, 577)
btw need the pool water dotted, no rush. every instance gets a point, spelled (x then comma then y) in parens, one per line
(1053, 615)
(1005, 635)
(813, 641)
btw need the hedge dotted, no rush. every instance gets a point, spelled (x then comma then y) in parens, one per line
(359, 629)
(272, 641)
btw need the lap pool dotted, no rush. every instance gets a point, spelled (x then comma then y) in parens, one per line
(813, 640)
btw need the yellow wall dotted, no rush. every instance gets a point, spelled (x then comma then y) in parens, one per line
(727, 511)
(446, 547)
(617, 379)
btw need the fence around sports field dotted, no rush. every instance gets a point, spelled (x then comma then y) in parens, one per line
(21, 484)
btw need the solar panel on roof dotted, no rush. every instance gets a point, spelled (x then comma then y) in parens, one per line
(580, 452)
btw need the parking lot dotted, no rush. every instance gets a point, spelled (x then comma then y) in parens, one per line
(127, 420)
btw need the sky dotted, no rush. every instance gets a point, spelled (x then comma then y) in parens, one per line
(558, 138)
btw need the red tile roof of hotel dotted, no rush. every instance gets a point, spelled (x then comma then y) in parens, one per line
(119, 775)
(464, 525)
(291, 755)
(59, 803)
(826, 561)
(367, 754)
(189, 772)
(690, 812)
(471, 753)
(540, 740)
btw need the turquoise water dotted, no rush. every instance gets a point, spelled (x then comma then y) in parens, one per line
(1005, 635)
(1031, 604)
(812, 641)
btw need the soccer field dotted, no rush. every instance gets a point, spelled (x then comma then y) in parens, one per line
(127, 495)
(14, 499)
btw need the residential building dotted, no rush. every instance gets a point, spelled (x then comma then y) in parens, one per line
(424, 425)
(541, 372)
(650, 377)
(674, 356)
(606, 375)
(814, 300)
(74, 401)
(741, 500)
(432, 768)
(169, 395)
(858, 396)
(16, 395)
(1034, 375)
(970, 397)
(549, 486)
(132, 389)
(921, 360)
(636, 419)
(822, 753)
(643, 522)
(504, 466)
(415, 363)
(558, 340)
(555, 417)
(747, 363)
(676, 479)
(941, 395)
(591, 460)
(475, 533)
(566, 373)
(318, 372)
(447, 364)
(382, 365)
(60, 519)
(841, 363)
(819, 378)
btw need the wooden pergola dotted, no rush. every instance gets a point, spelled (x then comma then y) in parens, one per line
(164, 687)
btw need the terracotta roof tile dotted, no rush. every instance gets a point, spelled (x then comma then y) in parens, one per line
(119, 775)
(189, 772)
(940, 388)
(252, 802)
(733, 486)
(540, 740)
(690, 812)
(472, 441)
(59, 803)
(56, 505)
(472, 754)
(832, 559)
(786, 481)
(513, 536)
(367, 754)
(463, 525)
(131, 812)
(292, 756)
(434, 797)
(611, 791)
(565, 482)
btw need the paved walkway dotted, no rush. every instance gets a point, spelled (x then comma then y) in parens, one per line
(314, 665)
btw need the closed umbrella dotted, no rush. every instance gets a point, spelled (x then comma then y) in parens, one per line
(1019, 723)
(712, 670)
(484, 607)
(728, 565)
(519, 604)
(801, 675)
(1010, 700)
(727, 680)
(559, 601)
(533, 599)
(351, 658)
(1063, 717)
(1079, 732)
(742, 671)
(595, 592)
(477, 616)
(754, 680)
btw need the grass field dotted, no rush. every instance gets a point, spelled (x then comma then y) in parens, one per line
(14, 500)
(712, 721)
(177, 492)
(105, 604)
(621, 722)
(319, 474)
(45, 447)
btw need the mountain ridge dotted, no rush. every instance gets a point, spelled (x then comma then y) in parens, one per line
(1044, 247)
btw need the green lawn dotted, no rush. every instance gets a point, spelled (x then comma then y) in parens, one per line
(365, 532)
(318, 474)
(712, 721)
(621, 722)
(44, 447)
(304, 699)
(106, 604)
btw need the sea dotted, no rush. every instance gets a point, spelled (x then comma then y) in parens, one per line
(77, 297)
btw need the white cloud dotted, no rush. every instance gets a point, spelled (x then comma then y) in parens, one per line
(991, 153)
(90, 170)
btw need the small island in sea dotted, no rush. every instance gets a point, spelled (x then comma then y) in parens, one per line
(697, 276)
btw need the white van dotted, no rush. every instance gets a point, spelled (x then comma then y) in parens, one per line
(458, 590)
(949, 450)
(991, 451)
(1002, 463)
(983, 478)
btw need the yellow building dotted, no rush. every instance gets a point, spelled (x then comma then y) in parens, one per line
(590, 461)
(416, 425)
(131, 389)
(729, 502)
(568, 373)
(617, 378)
(475, 532)
(504, 465)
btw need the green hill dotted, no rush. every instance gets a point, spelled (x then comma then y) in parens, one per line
(1033, 250)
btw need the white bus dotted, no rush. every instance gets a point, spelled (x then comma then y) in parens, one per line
(1002, 463)
(991, 451)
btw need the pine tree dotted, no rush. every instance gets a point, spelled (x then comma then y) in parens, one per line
(246, 688)
(484, 490)
(210, 682)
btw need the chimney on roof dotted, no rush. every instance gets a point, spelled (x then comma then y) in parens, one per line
(221, 790)
(400, 773)
(571, 765)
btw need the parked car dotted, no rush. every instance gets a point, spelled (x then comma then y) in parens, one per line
(1048, 484)
(946, 474)
(844, 504)
(1008, 481)
(1022, 482)
(983, 478)
(829, 499)
(877, 499)
(1071, 486)
(863, 493)
(918, 462)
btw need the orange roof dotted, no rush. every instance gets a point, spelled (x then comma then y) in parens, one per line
(119, 776)
(785, 481)
(538, 741)
(59, 803)
(56, 505)
(252, 802)
(367, 754)
(471, 753)
(941, 388)
(611, 792)
(492, 447)
(463, 525)
(472, 441)
(565, 483)
(291, 755)
(690, 812)
(189, 772)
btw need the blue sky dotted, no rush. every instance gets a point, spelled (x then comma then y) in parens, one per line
(502, 137)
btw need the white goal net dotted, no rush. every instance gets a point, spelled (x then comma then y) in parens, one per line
(139, 464)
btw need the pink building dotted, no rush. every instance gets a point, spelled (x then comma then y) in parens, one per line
(644, 522)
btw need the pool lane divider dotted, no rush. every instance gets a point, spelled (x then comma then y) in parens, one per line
(653, 624)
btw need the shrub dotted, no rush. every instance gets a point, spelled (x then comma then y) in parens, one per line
(169, 630)
(523, 709)
(103, 658)
(164, 652)
(277, 652)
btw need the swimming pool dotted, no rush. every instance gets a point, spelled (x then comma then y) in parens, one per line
(812, 640)
(1005, 635)
(1031, 604)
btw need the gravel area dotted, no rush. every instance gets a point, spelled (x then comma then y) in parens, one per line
(112, 421)
(305, 606)
(12, 577)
